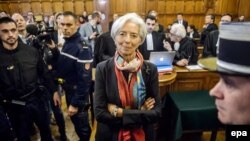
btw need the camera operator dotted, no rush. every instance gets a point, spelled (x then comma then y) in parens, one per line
(44, 43)
(21, 77)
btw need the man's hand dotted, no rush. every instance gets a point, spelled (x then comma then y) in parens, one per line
(167, 45)
(182, 62)
(52, 45)
(111, 108)
(148, 104)
(72, 110)
(93, 35)
(57, 99)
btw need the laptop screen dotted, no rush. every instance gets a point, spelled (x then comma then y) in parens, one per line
(163, 58)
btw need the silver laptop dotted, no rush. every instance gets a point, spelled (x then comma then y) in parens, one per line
(161, 59)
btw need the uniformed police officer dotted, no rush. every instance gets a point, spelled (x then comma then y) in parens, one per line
(21, 95)
(74, 69)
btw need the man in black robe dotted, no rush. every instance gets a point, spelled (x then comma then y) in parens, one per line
(186, 50)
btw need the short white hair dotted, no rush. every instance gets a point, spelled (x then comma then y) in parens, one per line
(130, 17)
(178, 30)
(17, 14)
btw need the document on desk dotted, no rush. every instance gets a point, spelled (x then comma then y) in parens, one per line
(194, 67)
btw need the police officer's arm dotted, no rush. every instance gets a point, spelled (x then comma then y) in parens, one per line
(84, 78)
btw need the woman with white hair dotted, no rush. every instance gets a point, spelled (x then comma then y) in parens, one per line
(126, 99)
(186, 50)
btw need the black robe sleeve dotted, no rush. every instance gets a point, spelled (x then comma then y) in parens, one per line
(187, 50)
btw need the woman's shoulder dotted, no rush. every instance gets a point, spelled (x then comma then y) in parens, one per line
(105, 64)
(149, 67)
(149, 64)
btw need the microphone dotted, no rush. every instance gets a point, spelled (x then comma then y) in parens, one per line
(32, 29)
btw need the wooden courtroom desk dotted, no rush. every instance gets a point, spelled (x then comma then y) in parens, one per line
(165, 81)
(193, 80)
(200, 51)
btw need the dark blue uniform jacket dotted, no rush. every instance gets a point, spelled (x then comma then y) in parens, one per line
(71, 67)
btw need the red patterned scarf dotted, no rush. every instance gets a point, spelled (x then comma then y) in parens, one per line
(132, 92)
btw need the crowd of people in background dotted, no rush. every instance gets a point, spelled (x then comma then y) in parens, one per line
(67, 44)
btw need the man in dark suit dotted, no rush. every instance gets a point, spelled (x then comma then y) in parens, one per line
(208, 27)
(115, 16)
(210, 44)
(180, 20)
(104, 48)
(153, 41)
(158, 27)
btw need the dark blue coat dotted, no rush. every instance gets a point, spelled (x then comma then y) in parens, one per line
(71, 67)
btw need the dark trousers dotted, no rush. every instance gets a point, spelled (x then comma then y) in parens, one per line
(59, 120)
(6, 133)
(80, 119)
(36, 109)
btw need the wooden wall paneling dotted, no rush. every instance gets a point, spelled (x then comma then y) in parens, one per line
(4, 6)
(224, 4)
(142, 4)
(189, 18)
(217, 7)
(170, 7)
(14, 7)
(169, 18)
(133, 6)
(232, 7)
(25, 7)
(161, 19)
(199, 7)
(212, 81)
(179, 6)
(68, 5)
(188, 81)
(150, 5)
(120, 6)
(161, 6)
(36, 7)
(244, 9)
(57, 6)
(111, 8)
(241, 10)
(189, 84)
(89, 6)
(103, 7)
(47, 7)
(79, 7)
(198, 21)
(189, 7)
(201, 21)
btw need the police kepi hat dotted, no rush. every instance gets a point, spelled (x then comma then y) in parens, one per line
(233, 52)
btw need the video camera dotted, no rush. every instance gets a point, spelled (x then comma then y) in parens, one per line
(40, 40)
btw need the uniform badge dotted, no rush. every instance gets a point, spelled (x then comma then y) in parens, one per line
(84, 45)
